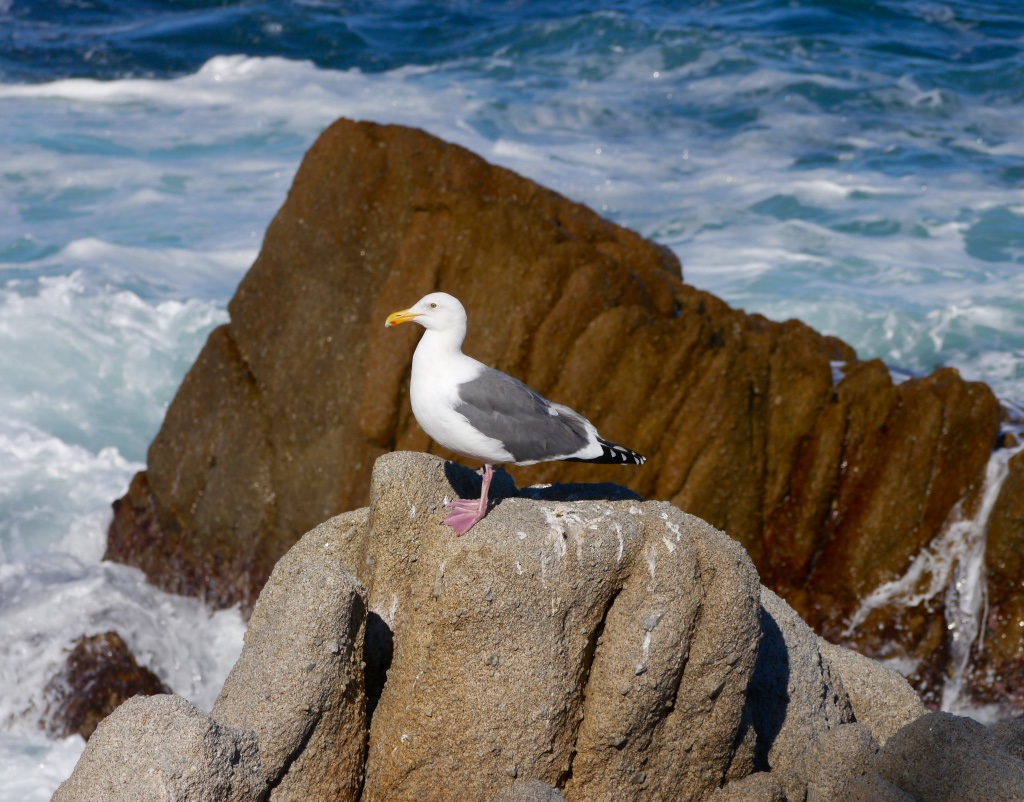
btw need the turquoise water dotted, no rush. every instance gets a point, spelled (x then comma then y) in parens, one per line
(855, 165)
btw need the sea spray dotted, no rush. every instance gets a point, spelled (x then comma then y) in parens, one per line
(949, 574)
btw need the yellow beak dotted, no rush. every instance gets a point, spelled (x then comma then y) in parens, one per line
(400, 317)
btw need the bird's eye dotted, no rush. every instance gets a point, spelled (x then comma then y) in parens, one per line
(433, 306)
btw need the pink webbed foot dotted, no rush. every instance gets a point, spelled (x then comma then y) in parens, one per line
(465, 515)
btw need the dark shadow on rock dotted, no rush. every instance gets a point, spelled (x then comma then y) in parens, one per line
(1010, 734)
(467, 482)
(768, 697)
(580, 491)
(378, 650)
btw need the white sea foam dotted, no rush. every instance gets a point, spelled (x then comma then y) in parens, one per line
(88, 370)
(90, 364)
(48, 601)
(55, 496)
(32, 765)
(840, 245)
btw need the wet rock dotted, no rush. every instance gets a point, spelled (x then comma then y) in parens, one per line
(832, 489)
(997, 671)
(298, 684)
(940, 757)
(912, 453)
(881, 699)
(99, 675)
(156, 748)
(899, 439)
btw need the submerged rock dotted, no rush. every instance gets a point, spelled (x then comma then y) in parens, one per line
(100, 674)
(832, 488)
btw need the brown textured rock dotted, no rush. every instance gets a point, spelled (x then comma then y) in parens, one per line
(276, 427)
(911, 452)
(100, 674)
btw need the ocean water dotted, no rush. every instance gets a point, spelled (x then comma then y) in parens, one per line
(857, 165)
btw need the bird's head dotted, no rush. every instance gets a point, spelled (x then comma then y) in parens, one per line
(438, 311)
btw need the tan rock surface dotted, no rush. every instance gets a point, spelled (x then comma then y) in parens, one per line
(795, 697)
(158, 748)
(881, 699)
(602, 647)
(298, 684)
(578, 639)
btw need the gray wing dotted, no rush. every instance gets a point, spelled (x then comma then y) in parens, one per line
(531, 428)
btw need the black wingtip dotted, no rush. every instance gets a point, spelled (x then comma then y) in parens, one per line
(614, 454)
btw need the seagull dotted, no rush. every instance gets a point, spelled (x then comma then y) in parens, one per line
(487, 415)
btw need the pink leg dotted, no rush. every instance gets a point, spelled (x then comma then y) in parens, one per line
(467, 512)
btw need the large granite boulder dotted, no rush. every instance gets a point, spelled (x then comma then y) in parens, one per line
(603, 647)
(299, 682)
(578, 644)
(157, 748)
(608, 648)
(831, 486)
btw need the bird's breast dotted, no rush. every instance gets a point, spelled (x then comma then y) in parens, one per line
(434, 396)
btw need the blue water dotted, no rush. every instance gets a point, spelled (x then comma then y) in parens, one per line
(857, 165)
